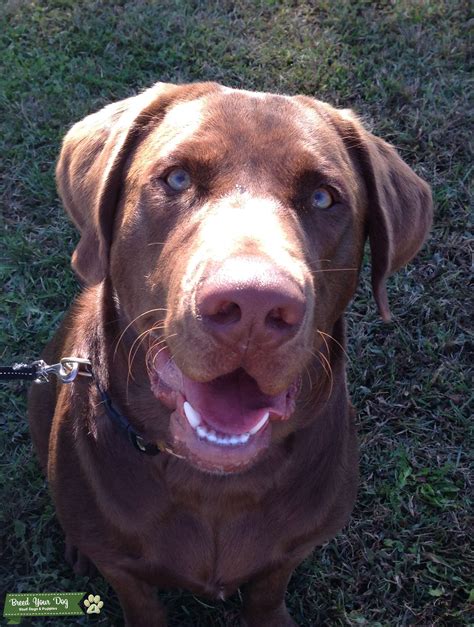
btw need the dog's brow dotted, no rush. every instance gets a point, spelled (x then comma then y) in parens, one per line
(180, 123)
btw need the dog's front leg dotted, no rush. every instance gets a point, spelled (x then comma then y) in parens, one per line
(139, 600)
(264, 600)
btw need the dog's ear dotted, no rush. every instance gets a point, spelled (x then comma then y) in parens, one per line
(399, 206)
(90, 168)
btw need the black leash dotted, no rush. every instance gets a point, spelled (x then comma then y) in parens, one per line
(19, 371)
(38, 371)
(66, 371)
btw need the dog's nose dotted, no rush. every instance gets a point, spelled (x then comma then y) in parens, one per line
(247, 298)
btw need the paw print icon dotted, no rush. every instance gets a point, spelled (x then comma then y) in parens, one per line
(93, 604)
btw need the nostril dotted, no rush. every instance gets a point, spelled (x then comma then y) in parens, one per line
(285, 318)
(275, 320)
(226, 312)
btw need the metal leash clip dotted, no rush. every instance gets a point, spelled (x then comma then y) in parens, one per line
(66, 370)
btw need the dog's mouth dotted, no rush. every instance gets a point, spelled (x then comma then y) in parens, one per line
(223, 425)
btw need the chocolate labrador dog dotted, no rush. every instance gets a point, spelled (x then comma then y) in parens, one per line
(222, 233)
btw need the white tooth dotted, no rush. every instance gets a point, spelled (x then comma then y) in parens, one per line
(202, 432)
(260, 423)
(222, 440)
(192, 415)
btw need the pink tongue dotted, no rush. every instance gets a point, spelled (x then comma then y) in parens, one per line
(232, 403)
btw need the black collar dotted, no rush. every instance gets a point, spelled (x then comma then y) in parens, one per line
(134, 437)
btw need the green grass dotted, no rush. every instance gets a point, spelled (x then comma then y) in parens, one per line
(406, 557)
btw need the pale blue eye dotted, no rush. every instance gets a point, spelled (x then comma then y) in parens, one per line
(322, 199)
(179, 180)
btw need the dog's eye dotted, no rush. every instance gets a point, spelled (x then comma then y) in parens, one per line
(179, 180)
(322, 199)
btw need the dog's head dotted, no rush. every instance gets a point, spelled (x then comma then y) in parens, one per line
(232, 226)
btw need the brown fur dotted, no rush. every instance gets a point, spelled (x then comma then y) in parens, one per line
(144, 253)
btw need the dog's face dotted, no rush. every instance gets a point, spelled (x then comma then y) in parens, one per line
(232, 226)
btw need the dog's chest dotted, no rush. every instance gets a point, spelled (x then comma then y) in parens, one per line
(214, 554)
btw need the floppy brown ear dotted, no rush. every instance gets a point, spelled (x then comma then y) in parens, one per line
(90, 168)
(399, 207)
(400, 212)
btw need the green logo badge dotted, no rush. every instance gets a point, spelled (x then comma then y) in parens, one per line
(21, 605)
